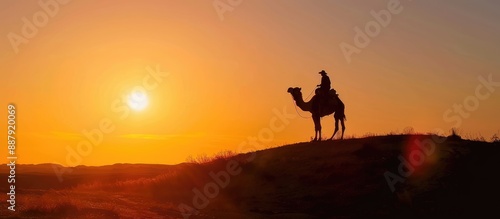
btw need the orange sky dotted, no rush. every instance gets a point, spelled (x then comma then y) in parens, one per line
(225, 77)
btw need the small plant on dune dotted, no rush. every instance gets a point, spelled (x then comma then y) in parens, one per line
(475, 137)
(480, 138)
(495, 139)
(409, 130)
(204, 158)
(199, 159)
(224, 155)
(350, 137)
(369, 134)
(454, 135)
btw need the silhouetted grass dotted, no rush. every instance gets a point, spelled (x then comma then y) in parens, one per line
(495, 139)
(204, 158)
(90, 204)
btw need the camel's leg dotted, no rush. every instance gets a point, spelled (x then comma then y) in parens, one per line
(336, 128)
(317, 128)
(343, 127)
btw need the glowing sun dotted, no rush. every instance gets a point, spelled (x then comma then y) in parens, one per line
(137, 100)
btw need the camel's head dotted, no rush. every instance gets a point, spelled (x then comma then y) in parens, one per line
(295, 91)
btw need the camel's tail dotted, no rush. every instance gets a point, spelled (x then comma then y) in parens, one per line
(345, 118)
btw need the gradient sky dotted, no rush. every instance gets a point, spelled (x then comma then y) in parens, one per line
(226, 76)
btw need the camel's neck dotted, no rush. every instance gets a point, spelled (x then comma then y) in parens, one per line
(305, 106)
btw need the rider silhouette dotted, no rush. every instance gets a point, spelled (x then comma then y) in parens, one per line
(321, 97)
(325, 83)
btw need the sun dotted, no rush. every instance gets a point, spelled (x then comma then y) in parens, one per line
(137, 100)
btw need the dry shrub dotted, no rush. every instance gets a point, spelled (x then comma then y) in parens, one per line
(204, 158)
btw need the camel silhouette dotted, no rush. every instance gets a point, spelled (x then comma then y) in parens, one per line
(333, 105)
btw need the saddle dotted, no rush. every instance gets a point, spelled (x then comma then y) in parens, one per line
(330, 99)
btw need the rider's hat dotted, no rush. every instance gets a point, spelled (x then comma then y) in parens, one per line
(322, 72)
